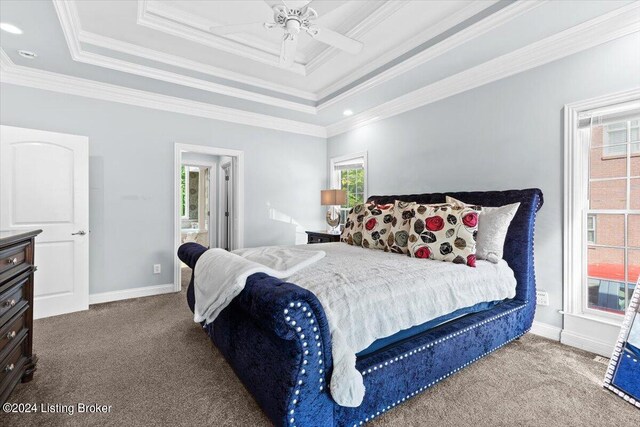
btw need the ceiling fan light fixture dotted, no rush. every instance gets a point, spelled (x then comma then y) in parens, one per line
(292, 26)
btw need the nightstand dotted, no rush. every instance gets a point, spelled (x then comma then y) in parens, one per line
(321, 237)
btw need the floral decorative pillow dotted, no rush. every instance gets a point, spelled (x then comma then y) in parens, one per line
(398, 237)
(352, 231)
(377, 225)
(445, 232)
(403, 212)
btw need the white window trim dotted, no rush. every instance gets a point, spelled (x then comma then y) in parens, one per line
(333, 182)
(582, 328)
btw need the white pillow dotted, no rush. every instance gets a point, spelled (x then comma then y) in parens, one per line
(493, 224)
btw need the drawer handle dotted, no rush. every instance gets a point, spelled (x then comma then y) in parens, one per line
(9, 303)
(9, 368)
(13, 261)
(11, 335)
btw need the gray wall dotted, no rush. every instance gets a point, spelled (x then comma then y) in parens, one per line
(504, 135)
(131, 162)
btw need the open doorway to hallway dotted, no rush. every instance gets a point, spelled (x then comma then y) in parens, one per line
(208, 190)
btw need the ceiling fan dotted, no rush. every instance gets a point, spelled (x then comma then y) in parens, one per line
(292, 21)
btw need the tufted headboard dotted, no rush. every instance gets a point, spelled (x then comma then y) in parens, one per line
(518, 247)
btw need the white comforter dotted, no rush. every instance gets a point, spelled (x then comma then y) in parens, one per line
(366, 294)
(370, 294)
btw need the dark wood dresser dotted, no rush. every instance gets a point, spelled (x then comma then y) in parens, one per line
(17, 361)
(321, 237)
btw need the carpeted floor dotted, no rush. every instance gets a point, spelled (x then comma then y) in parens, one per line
(154, 366)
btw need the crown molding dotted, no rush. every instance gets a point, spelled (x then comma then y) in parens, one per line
(69, 20)
(613, 25)
(46, 80)
(178, 61)
(474, 31)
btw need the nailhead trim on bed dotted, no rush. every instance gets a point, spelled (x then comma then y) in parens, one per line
(294, 315)
(425, 387)
(438, 341)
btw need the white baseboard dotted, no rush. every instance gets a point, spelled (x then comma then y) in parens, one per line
(123, 294)
(546, 330)
(586, 343)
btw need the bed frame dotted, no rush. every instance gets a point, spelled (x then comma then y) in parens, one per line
(276, 337)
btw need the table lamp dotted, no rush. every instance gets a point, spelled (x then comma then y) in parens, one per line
(333, 199)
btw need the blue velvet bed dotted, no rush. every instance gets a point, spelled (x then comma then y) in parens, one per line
(276, 337)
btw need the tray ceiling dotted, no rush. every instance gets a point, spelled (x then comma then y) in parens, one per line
(162, 54)
(177, 32)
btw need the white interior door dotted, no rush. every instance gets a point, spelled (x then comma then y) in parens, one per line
(44, 183)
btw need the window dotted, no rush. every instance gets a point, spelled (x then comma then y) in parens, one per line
(601, 256)
(617, 137)
(591, 229)
(349, 173)
(603, 210)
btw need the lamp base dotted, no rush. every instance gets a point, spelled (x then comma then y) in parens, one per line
(333, 219)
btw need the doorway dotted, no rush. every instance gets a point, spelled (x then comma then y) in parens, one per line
(208, 201)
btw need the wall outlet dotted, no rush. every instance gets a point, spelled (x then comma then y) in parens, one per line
(542, 298)
(157, 269)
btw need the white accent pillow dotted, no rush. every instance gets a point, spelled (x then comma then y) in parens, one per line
(493, 224)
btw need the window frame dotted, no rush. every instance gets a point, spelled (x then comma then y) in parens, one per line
(579, 318)
(334, 180)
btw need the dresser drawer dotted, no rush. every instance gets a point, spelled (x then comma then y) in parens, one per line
(13, 257)
(14, 298)
(12, 363)
(14, 330)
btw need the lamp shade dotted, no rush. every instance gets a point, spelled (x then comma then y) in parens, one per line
(333, 197)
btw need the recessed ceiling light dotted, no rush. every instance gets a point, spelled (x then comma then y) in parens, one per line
(347, 112)
(27, 54)
(10, 28)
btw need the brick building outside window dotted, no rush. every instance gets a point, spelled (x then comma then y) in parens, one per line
(613, 218)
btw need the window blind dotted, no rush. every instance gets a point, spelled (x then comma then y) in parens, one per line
(604, 116)
(355, 163)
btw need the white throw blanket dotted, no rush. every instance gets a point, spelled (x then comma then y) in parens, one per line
(220, 275)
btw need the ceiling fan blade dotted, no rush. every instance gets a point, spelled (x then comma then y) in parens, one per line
(323, 7)
(288, 51)
(236, 28)
(272, 3)
(335, 39)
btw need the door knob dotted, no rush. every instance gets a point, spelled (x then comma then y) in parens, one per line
(79, 233)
